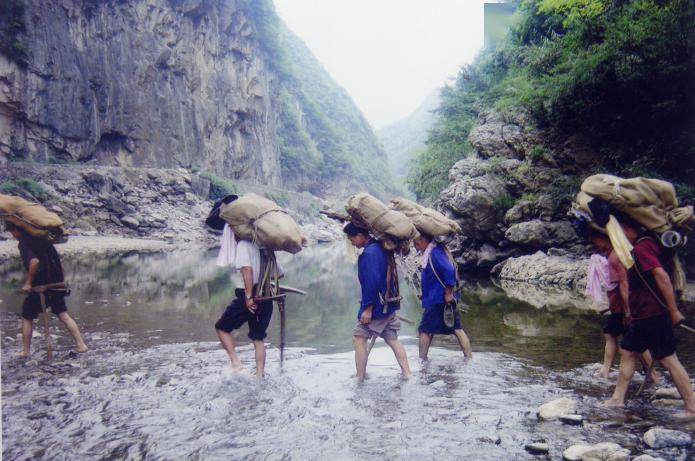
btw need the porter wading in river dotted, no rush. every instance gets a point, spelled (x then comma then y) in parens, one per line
(254, 228)
(45, 287)
(653, 313)
(377, 314)
(438, 281)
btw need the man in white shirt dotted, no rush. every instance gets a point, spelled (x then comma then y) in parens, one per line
(244, 308)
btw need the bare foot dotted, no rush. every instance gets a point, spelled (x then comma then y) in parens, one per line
(469, 356)
(613, 403)
(406, 376)
(603, 373)
(237, 368)
(24, 354)
(82, 349)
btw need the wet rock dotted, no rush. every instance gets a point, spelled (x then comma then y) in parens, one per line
(667, 402)
(542, 269)
(537, 448)
(658, 437)
(667, 393)
(606, 451)
(131, 222)
(573, 420)
(556, 408)
(647, 458)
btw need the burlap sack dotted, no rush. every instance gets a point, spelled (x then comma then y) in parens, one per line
(650, 202)
(426, 220)
(261, 221)
(32, 217)
(381, 221)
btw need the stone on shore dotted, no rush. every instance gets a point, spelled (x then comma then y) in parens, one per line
(658, 437)
(574, 420)
(606, 451)
(556, 408)
(647, 458)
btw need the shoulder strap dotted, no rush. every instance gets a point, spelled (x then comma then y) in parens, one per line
(429, 261)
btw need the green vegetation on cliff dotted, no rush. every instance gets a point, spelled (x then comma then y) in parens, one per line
(619, 72)
(323, 137)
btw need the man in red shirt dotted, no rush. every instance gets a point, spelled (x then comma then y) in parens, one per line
(652, 313)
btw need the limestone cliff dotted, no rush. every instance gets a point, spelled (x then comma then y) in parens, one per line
(173, 83)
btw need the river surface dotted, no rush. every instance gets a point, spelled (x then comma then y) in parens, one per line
(156, 384)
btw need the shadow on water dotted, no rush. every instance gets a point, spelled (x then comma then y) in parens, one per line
(156, 383)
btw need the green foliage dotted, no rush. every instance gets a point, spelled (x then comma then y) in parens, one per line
(219, 186)
(281, 198)
(13, 42)
(618, 72)
(503, 203)
(321, 133)
(24, 187)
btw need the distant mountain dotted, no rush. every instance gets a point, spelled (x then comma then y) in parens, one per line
(403, 138)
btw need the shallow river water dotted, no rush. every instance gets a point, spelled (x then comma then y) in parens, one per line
(156, 384)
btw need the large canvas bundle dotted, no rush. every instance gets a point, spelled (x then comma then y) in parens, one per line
(381, 221)
(650, 202)
(261, 221)
(426, 220)
(33, 218)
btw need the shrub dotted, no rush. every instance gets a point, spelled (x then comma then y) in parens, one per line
(24, 187)
(219, 187)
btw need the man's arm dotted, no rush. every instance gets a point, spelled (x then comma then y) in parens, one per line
(247, 276)
(624, 288)
(31, 274)
(663, 283)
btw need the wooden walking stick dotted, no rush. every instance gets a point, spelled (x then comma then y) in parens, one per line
(371, 345)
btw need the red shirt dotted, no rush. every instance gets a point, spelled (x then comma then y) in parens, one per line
(643, 304)
(617, 273)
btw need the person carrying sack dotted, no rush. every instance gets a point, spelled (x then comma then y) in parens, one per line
(438, 280)
(246, 258)
(44, 286)
(652, 313)
(379, 302)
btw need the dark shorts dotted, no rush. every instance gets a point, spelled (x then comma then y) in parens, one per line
(236, 315)
(433, 321)
(614, 325)
(32, 305)
(654, 333)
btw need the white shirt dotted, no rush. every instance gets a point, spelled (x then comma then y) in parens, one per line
(248, 255)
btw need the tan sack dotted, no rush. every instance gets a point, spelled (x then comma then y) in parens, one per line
(650, 202)
(32, 217)
(261, 221)
(426, 220)
(383, 222)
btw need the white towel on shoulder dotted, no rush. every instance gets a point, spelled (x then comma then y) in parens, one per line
(227, 254)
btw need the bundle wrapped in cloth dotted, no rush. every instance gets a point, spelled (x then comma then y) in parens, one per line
(426, 220)
(391, 227)
(261, 221)
(650, 202)
(33, 218)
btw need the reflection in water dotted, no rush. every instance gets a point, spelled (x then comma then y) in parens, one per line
(156, 386)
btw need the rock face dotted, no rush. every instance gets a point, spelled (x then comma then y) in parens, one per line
(160, 83)
(511, 199)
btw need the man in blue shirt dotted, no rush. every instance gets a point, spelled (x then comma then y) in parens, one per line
(377, 315)
(438, 282)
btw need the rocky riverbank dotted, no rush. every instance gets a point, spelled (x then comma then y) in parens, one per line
(143, 208)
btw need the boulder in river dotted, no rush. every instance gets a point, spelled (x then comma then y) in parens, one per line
(574, 420)
(658, 437)
(606, 451)
(537, 448)
(556, 408)
(647, 458)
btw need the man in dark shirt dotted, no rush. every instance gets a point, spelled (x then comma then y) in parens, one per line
(376, 316)
(43, 267)
(652, 312)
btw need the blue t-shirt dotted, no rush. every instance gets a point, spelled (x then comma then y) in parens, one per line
(432, 290)
(372, 266)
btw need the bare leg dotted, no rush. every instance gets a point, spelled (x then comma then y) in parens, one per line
(628, 362)
(682, 381)
(608, 355)
(401, 356)
(360, 343)
(424, 344)
(27, 329)
(259, 348)
(646, 359)
(74, 331)
(227, 341)
(464, 343)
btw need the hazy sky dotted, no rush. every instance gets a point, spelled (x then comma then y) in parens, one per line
(388, 54)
